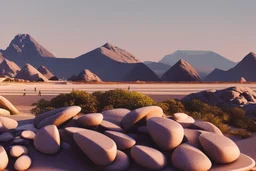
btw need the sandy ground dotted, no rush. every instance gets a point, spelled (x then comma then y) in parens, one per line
(157, 91)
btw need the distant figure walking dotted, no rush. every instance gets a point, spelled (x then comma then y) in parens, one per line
(24, 92)
(35, 89)
(129, 88)
(39, 93)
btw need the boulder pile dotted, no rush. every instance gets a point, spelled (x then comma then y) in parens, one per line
(120, 139)
(238, 96)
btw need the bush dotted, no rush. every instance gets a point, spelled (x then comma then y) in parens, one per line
(41, 106)
(171, 106)
(119, 98)
(86, 101)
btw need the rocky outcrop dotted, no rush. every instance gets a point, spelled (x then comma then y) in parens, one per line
(28, 72)
(238, 96)
(45, 71)
(9, 68)
(87, 76)
(181, 71)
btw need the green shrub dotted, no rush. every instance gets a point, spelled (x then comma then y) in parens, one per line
(242, 133)
(195, 115)
(171, 106)
(41, 106)
(86, 101)
(119, 98)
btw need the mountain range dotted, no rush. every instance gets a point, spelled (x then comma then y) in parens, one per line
(111, 63)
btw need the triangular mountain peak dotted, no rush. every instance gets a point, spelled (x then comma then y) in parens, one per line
(181, 71)
(251, 56)
(23, 45)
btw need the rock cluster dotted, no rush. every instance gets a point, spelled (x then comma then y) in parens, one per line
(238, 96)
(117, 144)
(14, 145)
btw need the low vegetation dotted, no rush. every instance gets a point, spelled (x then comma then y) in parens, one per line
(223, 118)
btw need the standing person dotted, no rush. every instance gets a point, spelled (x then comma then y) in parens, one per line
(129, 88)
(24, 92)
(35, 89)
(39, 93)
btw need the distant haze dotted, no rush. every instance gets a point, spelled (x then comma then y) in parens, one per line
(149, 29)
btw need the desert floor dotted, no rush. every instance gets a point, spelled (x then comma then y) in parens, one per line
(158, 92)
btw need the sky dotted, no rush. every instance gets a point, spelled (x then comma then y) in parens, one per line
(149, 29)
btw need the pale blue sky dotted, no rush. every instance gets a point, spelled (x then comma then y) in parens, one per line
(149, 29)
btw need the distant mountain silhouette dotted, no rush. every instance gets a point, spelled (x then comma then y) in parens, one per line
(87, 76)
(45, 71)
(141, 73)
(9, 68)
(28, 72)
(181, 71)
(246, 68)
(203, 61)
(72, 78)
(158, 68)
(109, 62)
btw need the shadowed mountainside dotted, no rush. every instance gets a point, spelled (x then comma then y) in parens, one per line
(181, 71)
(245, 68)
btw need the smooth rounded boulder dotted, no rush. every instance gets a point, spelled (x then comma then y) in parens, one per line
(4, 112)
(122, 141)
(6, 136)
(56, 117)
(147, 157)
(186, 157)
(18, 150)
(207, 126)
(121, 162)
(47, 140)
(6, 104)
(72, 130)
(4, 160)
(186, 122)
(130, 119)
(166, 133)
(22, 163)
(219, 148)
(7, 123)
(180, 116)
(111, 126)
(28, 135)
(98, 147)
(115, 115)
(25, 127)
(90, 120)
(191, 136)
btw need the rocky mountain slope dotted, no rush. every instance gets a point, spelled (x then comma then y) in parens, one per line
(246, 68)
(181, 71)
(9, 68)
(28, 72)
